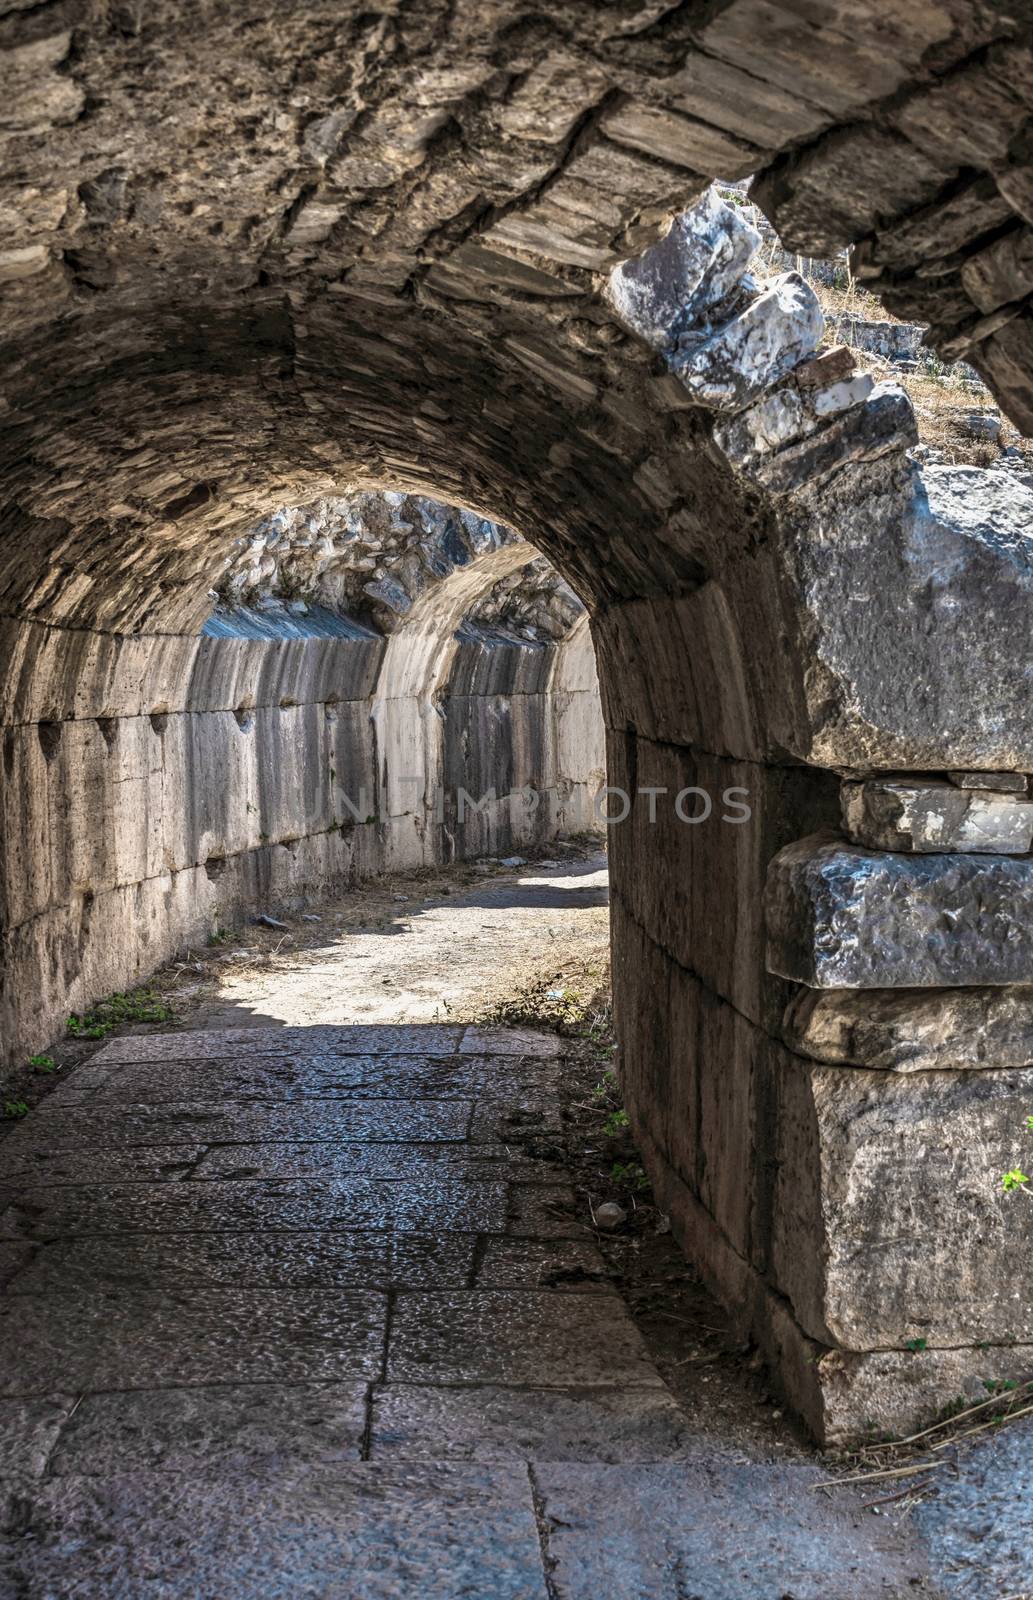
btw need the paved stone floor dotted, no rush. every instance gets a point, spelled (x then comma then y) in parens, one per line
(285, 1316)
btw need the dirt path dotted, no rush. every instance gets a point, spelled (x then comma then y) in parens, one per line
(408, 952)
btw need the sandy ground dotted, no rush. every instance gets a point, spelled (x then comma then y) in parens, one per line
(425, 951)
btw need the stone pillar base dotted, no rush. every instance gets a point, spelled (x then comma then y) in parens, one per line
(843, 1397)
(851, 1217)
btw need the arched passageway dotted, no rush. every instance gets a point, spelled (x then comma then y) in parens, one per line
(257, 262)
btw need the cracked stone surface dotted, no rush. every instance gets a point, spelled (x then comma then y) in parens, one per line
(369, 1367)
(914, 1030)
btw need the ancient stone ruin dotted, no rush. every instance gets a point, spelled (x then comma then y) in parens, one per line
(373, 265)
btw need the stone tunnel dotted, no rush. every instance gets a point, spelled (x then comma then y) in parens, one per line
(382, 682)
(269, 273)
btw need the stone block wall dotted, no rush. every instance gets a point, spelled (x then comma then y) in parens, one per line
(825, 1013)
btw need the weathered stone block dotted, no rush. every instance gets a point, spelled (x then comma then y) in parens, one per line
(1001, 273)
(684, 141)
(883, 814)
(968, 212)
(969, 117)
(913, 1030)
(859, 423)
(698, 262)
(832, 192)
(730, 366)
(908, 1223)
(698, 899)
(842, 1395)
(729, 98)
(840, 917)
(904, 671)
(793, 411)
(846, 1396)
(1006, 782)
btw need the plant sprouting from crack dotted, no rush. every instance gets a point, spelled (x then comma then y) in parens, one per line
(1016, 1178)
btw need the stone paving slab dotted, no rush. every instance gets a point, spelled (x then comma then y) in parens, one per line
(501, 1119)
(356, 1532)
(548, 1211)
(333, 1261)
(213, 1044)
(714, 1528)
(29, 1430)
(512, 1042)
(28, 1165)
(541, 1340)
(14, 1258)
(570, 1266)
(270, 1078)
(396, 1162)
(496, 1424)
(145, 1339)
(195, 1122)
(214, 1429)
(446, 1205)
(978, 1523)
(218, 1303)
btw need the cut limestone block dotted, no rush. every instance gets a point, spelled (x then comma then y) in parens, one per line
(1011, 782)
(848, 1397)
(905, 671)
(891, 1223)
(907, 1030)
(843, 1396)
(774, 333)
(697, 263)
(900, 814)
(839, 917)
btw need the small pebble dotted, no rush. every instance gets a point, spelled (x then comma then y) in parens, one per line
(610, 1215)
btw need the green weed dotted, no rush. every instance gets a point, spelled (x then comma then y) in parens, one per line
(630, 1175)
(139, 1005)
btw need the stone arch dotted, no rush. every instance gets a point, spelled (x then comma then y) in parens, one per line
(413, 300)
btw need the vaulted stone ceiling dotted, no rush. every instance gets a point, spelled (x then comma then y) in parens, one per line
(255, 253)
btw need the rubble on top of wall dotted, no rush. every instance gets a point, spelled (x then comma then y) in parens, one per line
(902, 664)
(752, 355)
(533, 604)
(743, 346)
(367, 557)
(958, 421)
